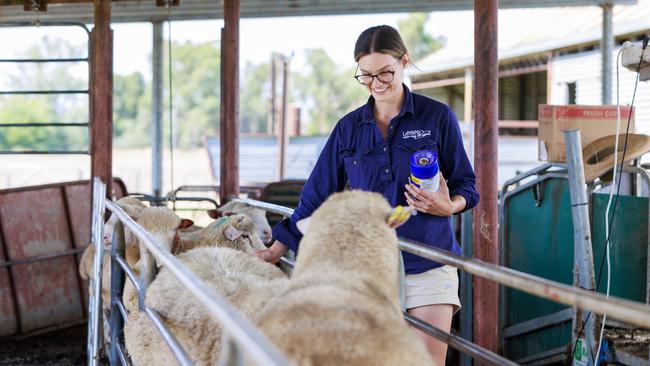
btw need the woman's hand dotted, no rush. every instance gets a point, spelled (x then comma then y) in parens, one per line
(273, 253)
(435, 203)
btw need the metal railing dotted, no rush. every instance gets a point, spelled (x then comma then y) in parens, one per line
(639, 314)
(86, 91)
(238, 332)
(246, 336)
(478, 353)
(624, 310)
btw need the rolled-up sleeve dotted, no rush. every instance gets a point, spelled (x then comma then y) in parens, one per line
(455, 165)
(327, 176)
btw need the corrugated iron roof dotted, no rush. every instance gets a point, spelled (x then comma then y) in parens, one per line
(547, 30)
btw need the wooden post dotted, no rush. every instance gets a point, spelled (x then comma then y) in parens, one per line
(229, 176)
(486, 293)
(101, 96)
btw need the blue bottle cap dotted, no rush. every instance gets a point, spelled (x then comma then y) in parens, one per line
(424, 164)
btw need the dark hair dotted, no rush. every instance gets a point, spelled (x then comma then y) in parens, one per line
(382, 39)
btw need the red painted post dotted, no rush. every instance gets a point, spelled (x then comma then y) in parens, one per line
(101, 96)
(229, 175)
(486, 293)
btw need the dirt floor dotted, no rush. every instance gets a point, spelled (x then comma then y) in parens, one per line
(56, 348)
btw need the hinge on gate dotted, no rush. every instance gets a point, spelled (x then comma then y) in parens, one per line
(538, 193)
(35, 5)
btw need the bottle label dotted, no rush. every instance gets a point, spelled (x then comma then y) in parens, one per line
(429, 185)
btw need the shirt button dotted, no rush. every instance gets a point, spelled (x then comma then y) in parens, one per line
(391, 127)
(355, 162)
(387, 170)
(384, 149)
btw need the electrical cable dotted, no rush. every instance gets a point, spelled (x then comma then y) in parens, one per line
(609, 201)
(618, 188)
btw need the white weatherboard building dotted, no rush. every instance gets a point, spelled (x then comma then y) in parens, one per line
(546, 56)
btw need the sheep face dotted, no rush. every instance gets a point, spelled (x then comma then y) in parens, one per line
(132, 207)
(256, 214)
(234, 231)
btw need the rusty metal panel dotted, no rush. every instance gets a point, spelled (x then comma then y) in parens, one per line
(78, 204)
(7, 315)
(77, 198)
(34, 224)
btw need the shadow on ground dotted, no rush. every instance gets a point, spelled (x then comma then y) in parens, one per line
(61, 347)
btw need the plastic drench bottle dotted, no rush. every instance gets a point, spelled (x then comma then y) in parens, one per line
(425, 173)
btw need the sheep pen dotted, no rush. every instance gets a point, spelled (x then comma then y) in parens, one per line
(220, 258)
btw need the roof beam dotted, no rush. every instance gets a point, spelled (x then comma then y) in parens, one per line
(134, 11)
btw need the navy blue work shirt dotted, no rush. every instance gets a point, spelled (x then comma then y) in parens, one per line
(356, 151)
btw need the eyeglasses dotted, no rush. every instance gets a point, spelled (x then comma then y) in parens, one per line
(384, 76)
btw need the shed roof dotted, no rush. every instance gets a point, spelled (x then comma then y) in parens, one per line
(552, 29)
(140, 10)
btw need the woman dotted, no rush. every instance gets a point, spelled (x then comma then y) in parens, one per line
(371, 148)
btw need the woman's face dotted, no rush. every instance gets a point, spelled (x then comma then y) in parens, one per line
(381, 66)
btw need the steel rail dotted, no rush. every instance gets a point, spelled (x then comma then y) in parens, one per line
(241, 329)
(624, 310)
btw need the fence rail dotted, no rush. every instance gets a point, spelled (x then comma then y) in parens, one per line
(624, 310)
(235, 327)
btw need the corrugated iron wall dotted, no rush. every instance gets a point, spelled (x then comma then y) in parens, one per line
(43, 230)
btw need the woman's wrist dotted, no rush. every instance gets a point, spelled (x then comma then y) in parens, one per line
(458, 204)
(278, 248)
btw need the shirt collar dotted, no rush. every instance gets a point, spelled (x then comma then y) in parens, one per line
(407, 106)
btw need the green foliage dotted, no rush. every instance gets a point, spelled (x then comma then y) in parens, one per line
(323, 90)
(131, 119)
(255, 98)
(327, 92)
(46, 108)
(196, 95)
(418, 42)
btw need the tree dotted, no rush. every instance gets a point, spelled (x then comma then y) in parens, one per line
(46, 108)
(131, 102)
(255, 98)
(196, 95)
(327, 91)
(418, 41)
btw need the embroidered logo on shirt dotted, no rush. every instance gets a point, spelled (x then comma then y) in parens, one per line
(416, 134)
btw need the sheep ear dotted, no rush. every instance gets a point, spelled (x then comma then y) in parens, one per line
(398, 216)
(231, 233)
(214, 214)
(185, 223)
(303, 225)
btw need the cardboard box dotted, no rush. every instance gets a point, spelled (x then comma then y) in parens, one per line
(593, 121)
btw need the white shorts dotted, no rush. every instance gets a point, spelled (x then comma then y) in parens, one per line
(433, 287)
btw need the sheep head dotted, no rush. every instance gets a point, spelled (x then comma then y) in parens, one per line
(256, 214)
(132, 207)
(163, 224)
(235, 231)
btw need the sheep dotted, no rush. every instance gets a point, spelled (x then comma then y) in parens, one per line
(220, 235)
(342, 304)
(257, 214)
(132, 207)
(163, 224)
(229, 269)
